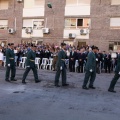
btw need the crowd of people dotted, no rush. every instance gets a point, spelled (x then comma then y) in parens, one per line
(104, 60)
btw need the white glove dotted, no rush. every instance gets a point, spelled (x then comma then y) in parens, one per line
(119, 73)
(91, 70)
(96, 59)
(28, 66)
(61, 68)
(8, 65)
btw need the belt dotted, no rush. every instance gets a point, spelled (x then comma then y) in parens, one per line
(32, 60)
(11, 58)
(63, 59)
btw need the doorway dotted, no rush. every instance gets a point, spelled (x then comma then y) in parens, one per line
(81, 44)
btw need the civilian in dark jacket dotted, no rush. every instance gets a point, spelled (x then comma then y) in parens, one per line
(72, 58)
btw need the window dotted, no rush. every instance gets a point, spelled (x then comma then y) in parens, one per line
(77, 23)
(84, 2)
(115, 23)
(78, 2)
(33, 23)
(80, 22)
(70, 23)
(4, 24)
(3, 4)
(115, 2)
(71, 2)
(38, 24)
(39, 2)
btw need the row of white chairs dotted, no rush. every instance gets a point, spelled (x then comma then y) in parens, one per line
(46, 63)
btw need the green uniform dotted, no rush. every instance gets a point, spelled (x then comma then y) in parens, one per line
(116, 76)
(90, 65)
(61, 63)
(30, 64)
(10, 64)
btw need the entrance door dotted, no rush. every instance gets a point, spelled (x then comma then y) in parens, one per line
(81, 44)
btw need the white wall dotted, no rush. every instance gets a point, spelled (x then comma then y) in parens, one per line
(75, 31)
(36, 33)
(33, 12)
(77, 10)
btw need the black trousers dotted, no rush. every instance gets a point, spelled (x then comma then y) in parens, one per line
(89, 76)
(11, 69)
(80, 67)
(57, 76)
(114, 81)
(72, 66)
(34, 69)
(107, 67)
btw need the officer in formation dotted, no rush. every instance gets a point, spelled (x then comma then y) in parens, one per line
(10, 63)
(90, 69)
(61, 66)
(30, 64)
(116, 76)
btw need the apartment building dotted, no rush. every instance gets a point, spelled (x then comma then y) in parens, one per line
(76, 22)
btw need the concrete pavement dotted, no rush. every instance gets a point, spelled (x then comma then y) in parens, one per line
(43, 101)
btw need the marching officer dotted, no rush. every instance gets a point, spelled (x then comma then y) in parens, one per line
(10, 63)
(61, 66)
(90, 69)
(116, 76)
(30, 64)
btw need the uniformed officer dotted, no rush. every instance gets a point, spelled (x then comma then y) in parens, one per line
(30, 64)
(90, 69)
(10, 63)
(116, 76)
(61, 66)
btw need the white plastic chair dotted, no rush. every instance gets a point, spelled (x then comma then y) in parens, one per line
(50, 61)
(37, 62)
(76, 65)
(4, 61)
(44, 63)
(22, 62)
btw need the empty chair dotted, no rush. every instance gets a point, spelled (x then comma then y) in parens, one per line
(37, 62)
(50, 61)
(22, 62)
(44, 63)
(4, 61)
(76, 65)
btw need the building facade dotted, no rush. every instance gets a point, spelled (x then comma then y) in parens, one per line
(75, 22)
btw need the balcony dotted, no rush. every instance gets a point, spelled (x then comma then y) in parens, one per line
(75, 31)
(77, 10)
(35, 33)
(33, 12)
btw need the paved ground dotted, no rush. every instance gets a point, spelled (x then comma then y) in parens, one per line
(42, 101)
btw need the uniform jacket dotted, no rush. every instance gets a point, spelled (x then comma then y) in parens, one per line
(117, 70)
(60, 62)
(10, 54)
(31, 59)
(91, 62)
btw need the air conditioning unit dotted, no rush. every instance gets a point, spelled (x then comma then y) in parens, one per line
(46, 30)
(19, 0)
(72, 35)
(84, 31)
(28, 30)
(11, 31)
